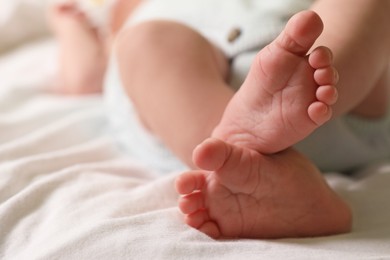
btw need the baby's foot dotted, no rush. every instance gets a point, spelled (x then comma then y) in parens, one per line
(241, 193)
(286, 94)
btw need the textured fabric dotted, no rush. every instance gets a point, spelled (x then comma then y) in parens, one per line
(65, 192)
(13, 29)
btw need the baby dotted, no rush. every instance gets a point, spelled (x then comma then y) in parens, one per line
(247, 150)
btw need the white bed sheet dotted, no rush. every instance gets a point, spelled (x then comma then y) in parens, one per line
(66, 192)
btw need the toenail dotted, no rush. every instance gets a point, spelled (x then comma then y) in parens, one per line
(336, 94)
(325, 110)
(336, 75)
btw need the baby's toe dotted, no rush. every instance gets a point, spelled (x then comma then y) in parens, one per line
(301, 32)
(211, 229)
(211, 154)
(191, 203)
(327, 94)
(197, 219)
(321, 57)
(319, 112)
(326, 76)
(189, 182)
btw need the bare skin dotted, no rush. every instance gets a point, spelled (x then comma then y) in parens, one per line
(83, 52)
(192, 94)
(239, 192)
(358, 34)
(83, 57)
(286, 95)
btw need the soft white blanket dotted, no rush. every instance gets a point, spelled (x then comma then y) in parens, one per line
(66, 192)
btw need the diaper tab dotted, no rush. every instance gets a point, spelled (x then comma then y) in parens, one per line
(234, 34)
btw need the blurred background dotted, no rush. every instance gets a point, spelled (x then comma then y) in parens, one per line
(21, 21)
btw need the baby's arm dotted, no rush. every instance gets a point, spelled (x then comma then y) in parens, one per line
(83, 56)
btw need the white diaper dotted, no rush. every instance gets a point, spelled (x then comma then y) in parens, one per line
(342, 144)
(255, 22)
(130, 135)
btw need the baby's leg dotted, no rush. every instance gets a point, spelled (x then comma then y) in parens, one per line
(176, 80)
(357, 32)
(280, 102)
(82, 52)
